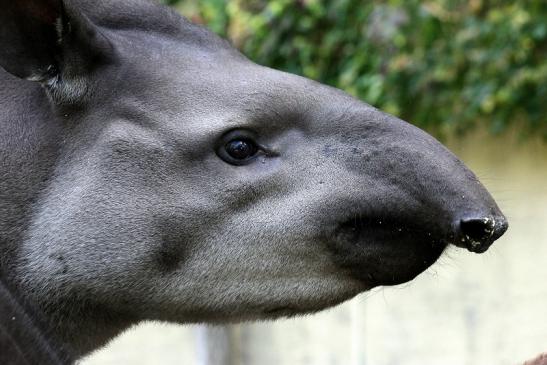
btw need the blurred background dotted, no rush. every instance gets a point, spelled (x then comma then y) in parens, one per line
(474, 74)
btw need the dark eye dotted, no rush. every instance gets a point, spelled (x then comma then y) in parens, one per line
(238, 147)
(241, 149)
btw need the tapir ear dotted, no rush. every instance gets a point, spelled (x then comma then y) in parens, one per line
(50, 42)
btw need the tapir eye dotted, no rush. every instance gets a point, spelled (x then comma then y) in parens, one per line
(238, 148)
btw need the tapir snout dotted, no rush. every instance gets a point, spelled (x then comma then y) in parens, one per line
(414, 198)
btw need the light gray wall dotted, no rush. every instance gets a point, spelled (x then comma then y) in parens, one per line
(468, 309)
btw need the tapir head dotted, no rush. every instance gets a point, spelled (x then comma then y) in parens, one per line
(192, 184)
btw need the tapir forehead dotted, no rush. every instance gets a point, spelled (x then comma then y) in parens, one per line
(185, 82)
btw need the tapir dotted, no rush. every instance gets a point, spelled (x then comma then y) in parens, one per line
(150, 171)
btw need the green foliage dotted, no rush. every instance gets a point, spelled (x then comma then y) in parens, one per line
(446, 65)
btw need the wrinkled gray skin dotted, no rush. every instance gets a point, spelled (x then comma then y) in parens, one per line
(116, 208)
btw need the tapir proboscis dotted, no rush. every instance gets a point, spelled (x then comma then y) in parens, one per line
(149, 171)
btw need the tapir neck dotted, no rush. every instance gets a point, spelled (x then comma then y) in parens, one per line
(30, 138)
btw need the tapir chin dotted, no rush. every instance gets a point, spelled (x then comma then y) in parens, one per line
(149, 171)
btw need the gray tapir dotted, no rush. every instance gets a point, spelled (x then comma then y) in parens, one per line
(151, 171)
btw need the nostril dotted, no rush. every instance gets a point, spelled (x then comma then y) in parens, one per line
(477, 234)
(478, 229)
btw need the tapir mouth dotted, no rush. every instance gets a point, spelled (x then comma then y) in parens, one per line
(386, 251)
